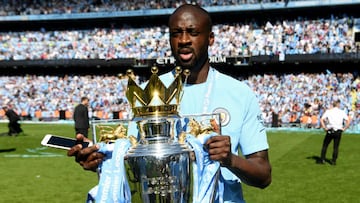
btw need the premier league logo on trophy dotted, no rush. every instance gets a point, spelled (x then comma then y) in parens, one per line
(167, 162)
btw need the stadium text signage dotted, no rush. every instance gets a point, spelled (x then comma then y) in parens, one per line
(171, 60)
(165, 60)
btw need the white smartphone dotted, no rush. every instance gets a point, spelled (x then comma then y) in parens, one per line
(60, 142)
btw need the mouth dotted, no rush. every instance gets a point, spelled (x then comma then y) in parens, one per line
(185, 54)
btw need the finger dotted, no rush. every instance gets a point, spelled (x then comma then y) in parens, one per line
(82, 154)
(85, 152)
(73, 151)
(92, 165)
(218, 140)
(79, 138)
(221, 157)
(220, 154)
(93, 161)
(221, 150)
(95, 155)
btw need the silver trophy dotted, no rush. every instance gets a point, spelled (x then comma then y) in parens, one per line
(159, 164)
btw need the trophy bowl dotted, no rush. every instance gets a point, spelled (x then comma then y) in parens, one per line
(158, 169)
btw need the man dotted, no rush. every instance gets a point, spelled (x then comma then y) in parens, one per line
(208, 90)
(332, 122)
(14, 125)
(81, 117)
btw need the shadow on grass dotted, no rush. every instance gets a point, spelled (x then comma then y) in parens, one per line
(318, 159)
(13, 135)
(7, 150)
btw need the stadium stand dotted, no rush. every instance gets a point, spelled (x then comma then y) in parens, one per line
(297, 100)
(278, 38)
(45, 7)
(296, 65)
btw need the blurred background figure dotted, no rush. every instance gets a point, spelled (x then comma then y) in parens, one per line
(81, 117)
(14, 125)
(333, 123)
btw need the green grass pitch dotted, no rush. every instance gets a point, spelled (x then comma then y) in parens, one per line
(33, 173)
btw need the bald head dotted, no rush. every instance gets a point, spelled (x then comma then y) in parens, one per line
(195, 10)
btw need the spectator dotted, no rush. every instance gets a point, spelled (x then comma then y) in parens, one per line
(14, 125)
(333, 123)
(81, 117)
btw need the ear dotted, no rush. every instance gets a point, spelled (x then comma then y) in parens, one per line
(211, 38)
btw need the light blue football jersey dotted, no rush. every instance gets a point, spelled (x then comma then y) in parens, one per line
(241, 117)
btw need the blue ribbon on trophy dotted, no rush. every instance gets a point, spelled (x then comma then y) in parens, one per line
(113, 186)
(205, 171)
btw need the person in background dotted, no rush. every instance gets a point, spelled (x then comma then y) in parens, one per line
(332, 122)
(14, 125)
(190, 28)
(81, 117)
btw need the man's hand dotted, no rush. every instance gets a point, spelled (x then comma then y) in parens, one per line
(253, 170)
(89, 158)
(219, 148)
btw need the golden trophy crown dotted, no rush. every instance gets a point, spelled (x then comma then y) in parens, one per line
(155, 100)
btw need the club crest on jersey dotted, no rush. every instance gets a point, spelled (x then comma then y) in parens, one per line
(224, 115)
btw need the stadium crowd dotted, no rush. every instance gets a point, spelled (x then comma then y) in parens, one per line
(333, 35)
(286, 99)
(294, 99)
(43, 7)
(301, 99)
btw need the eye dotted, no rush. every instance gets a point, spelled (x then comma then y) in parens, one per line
(192, 32)
(175, 33)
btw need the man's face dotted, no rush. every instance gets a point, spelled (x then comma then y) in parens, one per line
(86, 102)
(190, 38)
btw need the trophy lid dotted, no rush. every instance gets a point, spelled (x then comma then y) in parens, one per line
(155, 100)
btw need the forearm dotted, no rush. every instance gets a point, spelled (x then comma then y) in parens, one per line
(347, 125)
(255, 170)
(322, 124)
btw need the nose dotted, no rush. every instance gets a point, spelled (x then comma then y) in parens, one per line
(184, 38)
